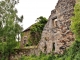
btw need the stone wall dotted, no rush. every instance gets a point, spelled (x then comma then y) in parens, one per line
(24, 52)
(57, 35)
(24, 38)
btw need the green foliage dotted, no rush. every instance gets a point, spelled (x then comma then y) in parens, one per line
(9, 28)
(33, 57)
(73, 53)
(36, 30)
(75, 26)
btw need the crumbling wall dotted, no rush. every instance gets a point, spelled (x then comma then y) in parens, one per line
(24, 52)
(57, 35)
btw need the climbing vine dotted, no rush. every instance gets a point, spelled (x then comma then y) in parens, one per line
(36, 30)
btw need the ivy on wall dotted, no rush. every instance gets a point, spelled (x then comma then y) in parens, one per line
(36, 30)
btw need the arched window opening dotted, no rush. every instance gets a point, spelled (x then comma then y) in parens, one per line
(53, 47)
(54, 21)
(24, 40)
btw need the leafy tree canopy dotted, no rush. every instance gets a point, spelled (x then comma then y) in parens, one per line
(9, 27)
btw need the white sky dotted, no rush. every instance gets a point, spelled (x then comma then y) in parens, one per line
(32, 9)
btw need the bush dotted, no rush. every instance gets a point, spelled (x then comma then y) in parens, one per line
(75, 25)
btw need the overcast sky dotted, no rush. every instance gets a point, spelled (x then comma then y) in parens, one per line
(32, 9)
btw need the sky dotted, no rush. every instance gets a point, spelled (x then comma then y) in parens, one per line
(32, 9)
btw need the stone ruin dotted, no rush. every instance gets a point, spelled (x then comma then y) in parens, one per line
(56, 35)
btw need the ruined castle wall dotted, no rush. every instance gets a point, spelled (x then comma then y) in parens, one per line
(56, 34)
(64, 11)
(47, 36)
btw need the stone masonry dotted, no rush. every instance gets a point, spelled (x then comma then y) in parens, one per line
(56, 35)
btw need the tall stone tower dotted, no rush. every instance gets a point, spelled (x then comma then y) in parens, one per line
(56, 35)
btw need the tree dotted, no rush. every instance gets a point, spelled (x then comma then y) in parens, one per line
(36, 30)
(9, 27)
